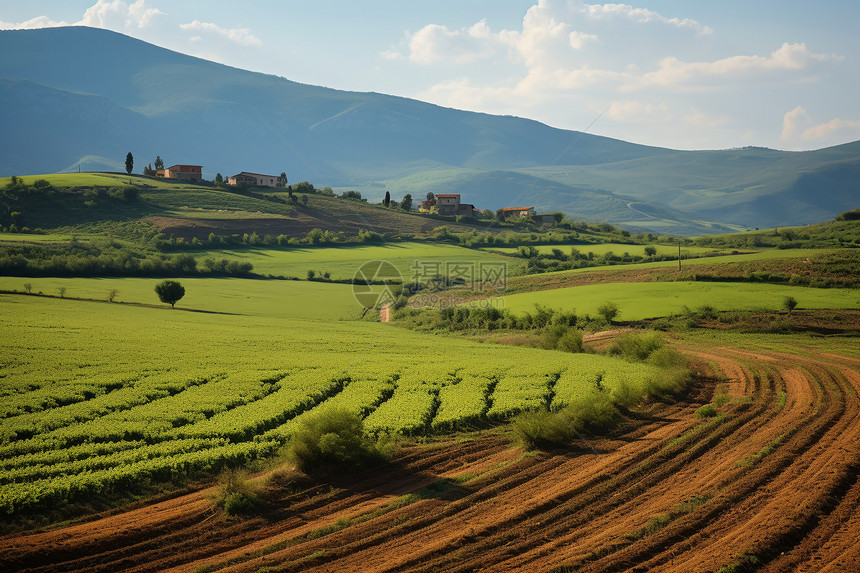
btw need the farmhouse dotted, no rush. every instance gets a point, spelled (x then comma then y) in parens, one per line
(506, 212)
(449, 205)
(190, 172)
(255, 179)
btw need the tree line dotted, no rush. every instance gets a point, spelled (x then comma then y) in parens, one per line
(109, 260)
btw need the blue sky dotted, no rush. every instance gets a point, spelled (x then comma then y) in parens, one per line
(680, 74)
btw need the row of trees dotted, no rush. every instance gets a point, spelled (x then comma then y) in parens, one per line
(405, 203)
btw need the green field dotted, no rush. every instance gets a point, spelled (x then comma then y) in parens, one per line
(42, 238)
(100, 396)
(655, 299)
(283, 299)
(414, 261)
(769, 254)
(76, 179)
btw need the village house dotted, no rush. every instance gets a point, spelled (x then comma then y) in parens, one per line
(506, 212)
(449, 205)
(253, 179)
(189, 172)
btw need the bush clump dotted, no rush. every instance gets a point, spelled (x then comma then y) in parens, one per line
(236, 494)
(706, 411)
(334, 438)
(636, 347)
(544, 428)
(539, 428)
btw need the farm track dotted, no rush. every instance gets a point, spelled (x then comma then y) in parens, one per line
(794, 507)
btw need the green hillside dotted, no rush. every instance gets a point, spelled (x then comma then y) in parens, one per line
(132, 96)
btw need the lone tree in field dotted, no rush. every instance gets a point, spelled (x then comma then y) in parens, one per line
(129, 163)
(387, 200)
(170, 292)
(789, 303)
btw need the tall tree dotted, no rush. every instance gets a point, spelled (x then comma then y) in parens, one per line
(387, 200)
(219, 179)
(159, 164)
(129, 163)
(406, 204)
(282, 180)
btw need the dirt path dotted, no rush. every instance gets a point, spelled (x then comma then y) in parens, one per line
(770, 481)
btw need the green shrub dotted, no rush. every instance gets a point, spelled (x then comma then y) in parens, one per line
(539, 428)
(666, 357)
(561, 336)
(706, 411)
(608, 310)
(236, 494)
(595, 411)
(570, 341)
(542, 428)
(636, 346)
(334, 438)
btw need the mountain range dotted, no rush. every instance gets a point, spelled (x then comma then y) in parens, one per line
(81, 98)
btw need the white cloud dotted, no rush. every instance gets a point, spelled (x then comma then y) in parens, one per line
(32, 23)
(578, 40)
(642, 16)
(639, 112)
(391, 55)
(118, 15)
(798, 126)
(115, 15)
(433, 44)
(699, 119)
(241, 36)
(788, 58)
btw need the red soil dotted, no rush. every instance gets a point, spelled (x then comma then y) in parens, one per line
(584, 509)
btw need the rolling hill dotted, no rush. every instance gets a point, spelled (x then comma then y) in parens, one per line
(79, 97)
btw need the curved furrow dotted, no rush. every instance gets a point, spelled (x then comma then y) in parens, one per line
(541, 503)
(766, 512)
(774, 478)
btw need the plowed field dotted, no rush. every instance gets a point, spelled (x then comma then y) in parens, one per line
(769, 483)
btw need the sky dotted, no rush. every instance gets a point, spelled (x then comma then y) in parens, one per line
(688, 74)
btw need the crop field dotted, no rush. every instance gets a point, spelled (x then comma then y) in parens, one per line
(414, 261)
(654, 299)
(90, 404)
(124, 423)
(766, 480)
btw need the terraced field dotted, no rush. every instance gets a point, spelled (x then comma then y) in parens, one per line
(769, 482)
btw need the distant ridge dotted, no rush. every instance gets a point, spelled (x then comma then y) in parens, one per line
(84, 97)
